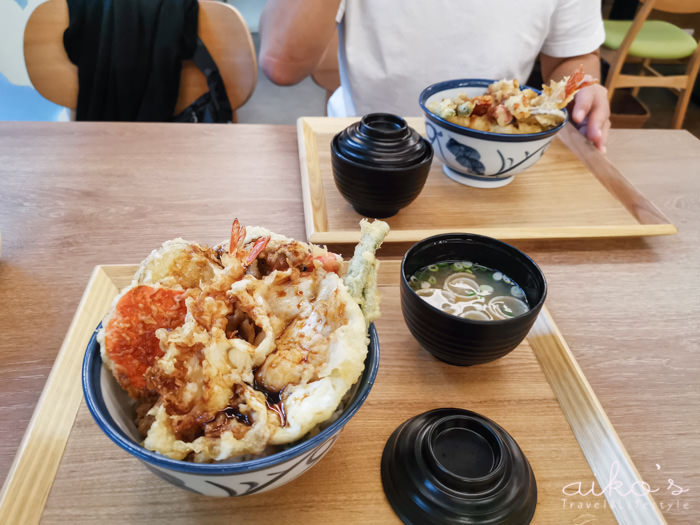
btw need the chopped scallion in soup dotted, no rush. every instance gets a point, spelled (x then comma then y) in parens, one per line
(469, 290)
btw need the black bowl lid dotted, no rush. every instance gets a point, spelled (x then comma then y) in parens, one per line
(451, 465)
(382, 140)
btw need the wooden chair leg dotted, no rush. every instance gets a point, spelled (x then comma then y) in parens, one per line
(645, 63)
(687, 90)
(681, 108)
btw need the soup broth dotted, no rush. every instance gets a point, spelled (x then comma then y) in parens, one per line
(469, 290)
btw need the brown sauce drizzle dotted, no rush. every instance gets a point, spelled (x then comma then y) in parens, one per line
(189, 434)
(233, 412)
(278, 408)
(273, 400)
(230, 418)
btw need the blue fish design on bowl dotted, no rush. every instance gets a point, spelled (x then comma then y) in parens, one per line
(466, 156)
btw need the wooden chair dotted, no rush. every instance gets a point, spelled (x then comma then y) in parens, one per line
(221, 27)
(649, 41)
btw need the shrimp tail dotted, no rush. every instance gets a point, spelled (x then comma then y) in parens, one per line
(237, 236)
(258, 247)
(577, 81)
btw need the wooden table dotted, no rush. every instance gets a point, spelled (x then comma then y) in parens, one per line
(75, 195)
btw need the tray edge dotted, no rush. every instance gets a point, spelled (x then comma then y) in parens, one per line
(33, 470)
(651, 220)
(314, 219)
(634, 201)
(599, 442)
(514, 233)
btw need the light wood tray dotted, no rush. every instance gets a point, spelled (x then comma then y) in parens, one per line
(68, 471)
(573, 191)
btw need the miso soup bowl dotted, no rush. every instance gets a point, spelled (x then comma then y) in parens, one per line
(457, 340)
(479, 158)
(113, 412)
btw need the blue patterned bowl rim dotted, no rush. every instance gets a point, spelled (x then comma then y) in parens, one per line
(485, 135)
(91, 372)
(484, 240)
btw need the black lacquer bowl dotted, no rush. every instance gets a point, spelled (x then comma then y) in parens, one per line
(380, 164)
(457, 340)
(451, 465)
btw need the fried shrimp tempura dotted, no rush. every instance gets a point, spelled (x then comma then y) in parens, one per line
(242, 347)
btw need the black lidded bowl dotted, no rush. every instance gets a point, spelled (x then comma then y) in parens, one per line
(451, 466)
(380, 164)
(460, 341)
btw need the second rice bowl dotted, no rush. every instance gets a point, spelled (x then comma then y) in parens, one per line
(477, 158)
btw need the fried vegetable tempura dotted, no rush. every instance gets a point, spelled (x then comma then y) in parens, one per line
(361, 277)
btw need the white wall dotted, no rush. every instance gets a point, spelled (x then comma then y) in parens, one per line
(13, 17)
(250, 9)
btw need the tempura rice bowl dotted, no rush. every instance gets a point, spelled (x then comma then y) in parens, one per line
(477, 158)
(112, 409)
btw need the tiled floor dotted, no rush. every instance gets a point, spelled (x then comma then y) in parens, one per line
(662, 103)
(271, 104)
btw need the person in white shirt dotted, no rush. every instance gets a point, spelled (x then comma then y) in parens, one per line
(389, 50)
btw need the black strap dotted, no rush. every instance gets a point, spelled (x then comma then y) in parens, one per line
(214, 105)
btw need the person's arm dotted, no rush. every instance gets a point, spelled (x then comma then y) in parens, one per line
(591, 110)
(293, 37)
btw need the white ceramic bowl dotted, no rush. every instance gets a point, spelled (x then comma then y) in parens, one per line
(111, 408)
(479, 158)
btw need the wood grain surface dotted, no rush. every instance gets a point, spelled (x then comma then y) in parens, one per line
(75, 195)
(572, 191)
(35, 464)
